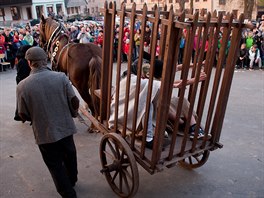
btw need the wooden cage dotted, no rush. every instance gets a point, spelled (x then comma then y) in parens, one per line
(217, 43)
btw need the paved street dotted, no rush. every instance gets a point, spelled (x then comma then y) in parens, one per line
(235, 171)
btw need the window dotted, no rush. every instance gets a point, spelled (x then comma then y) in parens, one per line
(29, 14)
(204, 0)
(50, 9)
(235, 12)
(58, 8)
(170, 1)
(203, 11)
(77, 10)
(92, 10)
(68, 11)
(178, 1)
(222, 2)
(72, 10)
(15, 13)
(223, 12)
(196, 0)
(2, 12)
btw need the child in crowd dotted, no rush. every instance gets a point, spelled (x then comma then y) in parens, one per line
(126, 48)
(242, 57)
(249, 40)
(254, 57)
(146, 47)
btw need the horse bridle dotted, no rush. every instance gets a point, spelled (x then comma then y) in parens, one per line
(59, 29)
(58, 33)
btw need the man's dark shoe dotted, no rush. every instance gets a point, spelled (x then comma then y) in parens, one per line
(166, 142)
(17, 118)
(150, 144)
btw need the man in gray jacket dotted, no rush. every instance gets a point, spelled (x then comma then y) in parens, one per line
(47, 99)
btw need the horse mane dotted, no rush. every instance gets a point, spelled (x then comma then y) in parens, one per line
(51, 25)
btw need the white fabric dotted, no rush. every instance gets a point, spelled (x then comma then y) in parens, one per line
(141, 106)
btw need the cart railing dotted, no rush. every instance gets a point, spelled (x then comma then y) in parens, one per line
(207, 98)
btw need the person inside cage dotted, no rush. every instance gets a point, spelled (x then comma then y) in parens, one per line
(154, 99)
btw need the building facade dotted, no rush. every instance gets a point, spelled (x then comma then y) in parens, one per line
(24, 10)
(14, 10)
(224, 6)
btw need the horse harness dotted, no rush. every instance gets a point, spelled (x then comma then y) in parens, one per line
(54, 43)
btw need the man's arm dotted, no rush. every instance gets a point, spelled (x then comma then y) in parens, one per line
(178, 83)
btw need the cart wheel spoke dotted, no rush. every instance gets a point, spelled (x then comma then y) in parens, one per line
(120, 182)
(196, 160)
(125, 181)
(112, 148)
(114, 177)
(117, 151)
(128, 174)
(190, 160)
(109, 155)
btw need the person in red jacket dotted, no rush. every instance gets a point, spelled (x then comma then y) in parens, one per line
(100, 39)
(126, 47)
(2, 38)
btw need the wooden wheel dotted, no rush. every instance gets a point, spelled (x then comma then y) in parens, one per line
(195, 161)
(119, 165)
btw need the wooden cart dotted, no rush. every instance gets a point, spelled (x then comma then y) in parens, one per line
(120, 148)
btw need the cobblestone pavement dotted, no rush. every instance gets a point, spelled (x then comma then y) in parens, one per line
(236, 170)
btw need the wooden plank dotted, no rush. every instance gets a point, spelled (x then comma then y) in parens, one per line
(197, 76)
(139, 69)
(110, 74)
(227, 79)
(216, 83)
(106, 56)
(120, 40)
(162, 35)
(184, 75)
(209, 63)
(168, 76)
(153, 44)
(132, 33)
(178, 112)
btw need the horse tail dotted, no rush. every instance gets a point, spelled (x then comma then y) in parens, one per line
(94, 81)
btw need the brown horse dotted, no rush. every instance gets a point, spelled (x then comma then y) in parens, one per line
(81, 62)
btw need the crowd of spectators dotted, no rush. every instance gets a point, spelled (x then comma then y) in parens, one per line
(251, 54)
(12, 39)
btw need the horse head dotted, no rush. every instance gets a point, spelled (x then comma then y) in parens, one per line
(51, 32)
(43, 41)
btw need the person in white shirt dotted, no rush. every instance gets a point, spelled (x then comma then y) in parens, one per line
(83, 36)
